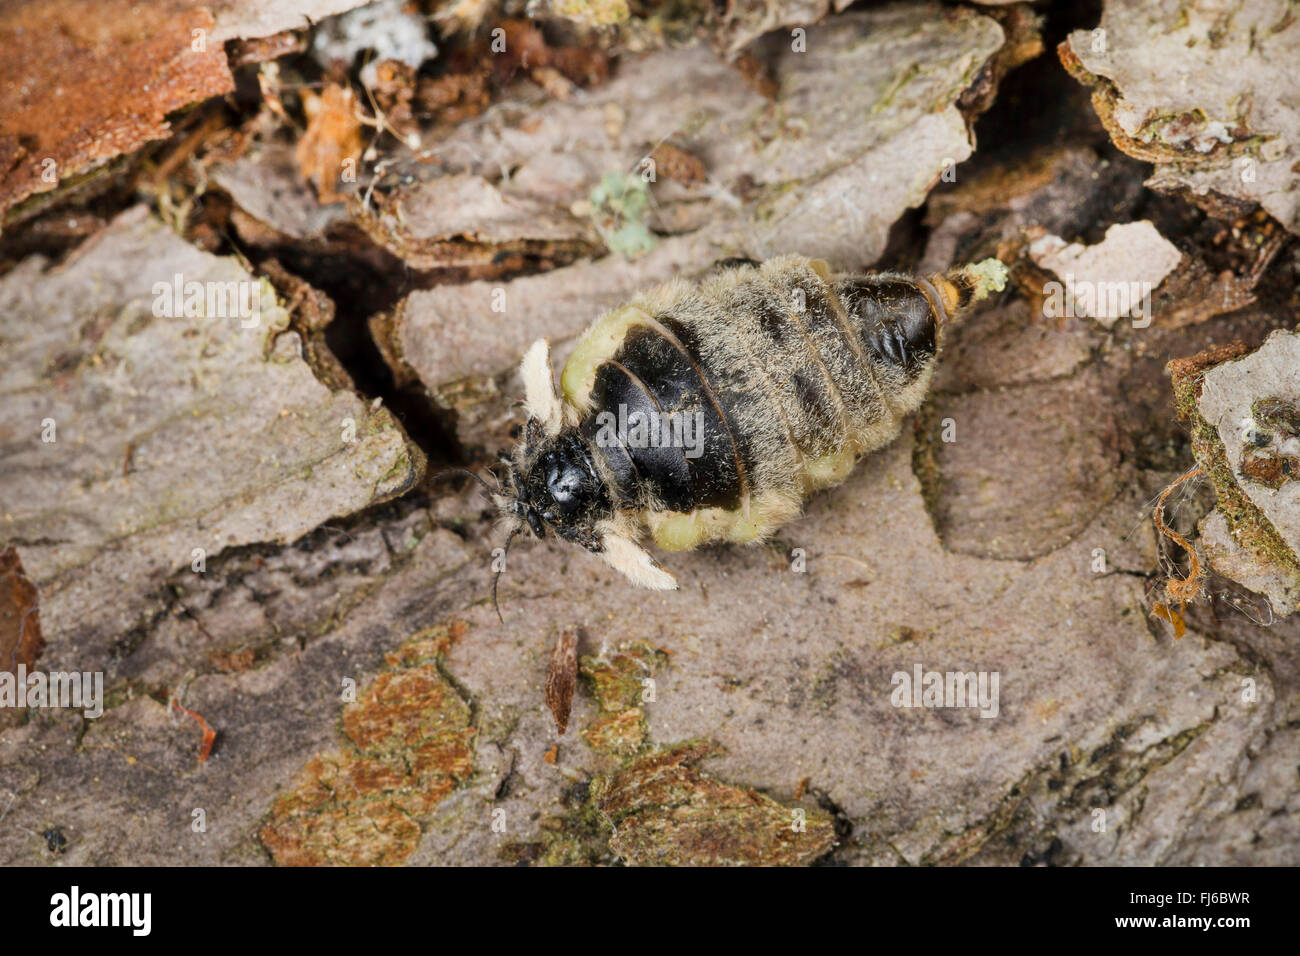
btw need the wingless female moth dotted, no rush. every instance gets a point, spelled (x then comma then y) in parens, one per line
(709, 412)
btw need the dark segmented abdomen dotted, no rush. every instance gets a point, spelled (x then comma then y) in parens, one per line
(795, 375)
(837, 345)
(725, 339)
(620, 392)
(656, 376)
(895, 323)
(783, 368)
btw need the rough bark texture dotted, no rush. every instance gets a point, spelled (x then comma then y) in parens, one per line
(225, 519)
(1195, 89)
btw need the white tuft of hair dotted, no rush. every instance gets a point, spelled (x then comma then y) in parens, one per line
(624, 555)
(540, 397)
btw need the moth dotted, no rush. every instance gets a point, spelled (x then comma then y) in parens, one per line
(709, 412)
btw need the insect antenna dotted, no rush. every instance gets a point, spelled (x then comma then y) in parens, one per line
(496, 575)
(487, 489)
(490, 492)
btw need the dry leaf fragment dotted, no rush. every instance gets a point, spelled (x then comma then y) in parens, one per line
(678, 165)
(209, 735)
(20, 616)
(526, 49)
(453, 97)
(20, 625)
(757, 75)
(393, 91)
(331, 147)
(561, 678)
(1166, 613)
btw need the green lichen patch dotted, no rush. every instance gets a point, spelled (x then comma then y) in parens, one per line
(619, 205)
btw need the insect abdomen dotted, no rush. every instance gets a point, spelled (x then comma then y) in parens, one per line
(793, 374)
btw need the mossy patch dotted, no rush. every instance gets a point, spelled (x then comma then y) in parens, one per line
(1249, 527)
(664, 811)
(597, 13)
(618, 684)
(661, 810)
(578, 837)
(410, 740)
(658, 808)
